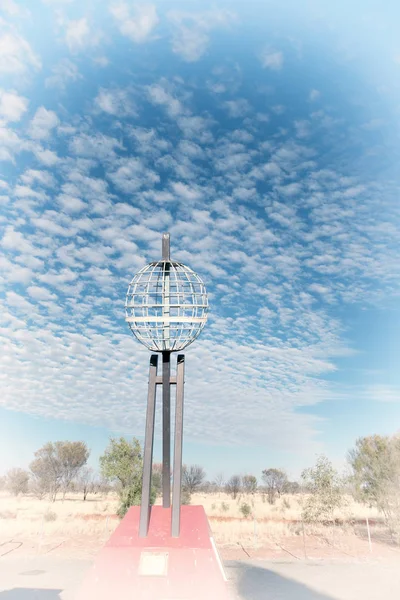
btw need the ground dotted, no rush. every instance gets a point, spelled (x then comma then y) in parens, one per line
(45, 548)
(50, 578)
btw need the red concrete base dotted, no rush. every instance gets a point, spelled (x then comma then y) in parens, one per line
(158, 567)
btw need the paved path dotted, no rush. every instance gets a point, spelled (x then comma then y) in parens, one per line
(45, 578)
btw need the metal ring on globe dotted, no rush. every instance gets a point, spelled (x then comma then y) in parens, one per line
(166, 306)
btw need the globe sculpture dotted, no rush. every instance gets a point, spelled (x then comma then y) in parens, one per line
(166, 309)
(166, 306)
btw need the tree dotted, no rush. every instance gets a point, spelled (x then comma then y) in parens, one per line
(219, 481)
(325, 488)
(192, 477)
(17, 481)
(85, 481)
(46, 471)
(122, 464)
(249, 483)
(275, 481)
(72, 456)
(375, 464)
(292, 487)
(233, 486)
(55, 465)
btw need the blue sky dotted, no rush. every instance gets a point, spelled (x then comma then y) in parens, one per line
(265, 137)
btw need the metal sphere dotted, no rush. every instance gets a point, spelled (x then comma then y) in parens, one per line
(166, 306)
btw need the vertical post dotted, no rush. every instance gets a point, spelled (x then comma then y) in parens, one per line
(177, 471)
(166, 424)
(166, 476)
(369, 535)
(148, 448)
(166, 246)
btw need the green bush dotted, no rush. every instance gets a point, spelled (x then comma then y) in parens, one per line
(245, 509)
(286, 503)
(224, 506)
(185, 497)
(132, 496)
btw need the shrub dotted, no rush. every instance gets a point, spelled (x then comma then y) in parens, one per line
(285, 503)
(50, 516)
(132, 496)
(245, 509)
(185, 497)
(224, 506)
(213, 506)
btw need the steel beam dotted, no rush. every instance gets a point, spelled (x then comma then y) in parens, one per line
(148, 448)
(166, 425)
(178, 442)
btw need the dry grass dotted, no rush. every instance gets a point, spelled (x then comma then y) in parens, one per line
(287, 508)
(80, 521)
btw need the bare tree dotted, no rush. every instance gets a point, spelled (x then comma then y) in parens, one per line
(219, 481)
(249, 483)
(17, 481)
(275, 481)
(192, 477)
(233, 486)
(84, 481)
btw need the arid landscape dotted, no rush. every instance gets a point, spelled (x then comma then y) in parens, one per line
(73, 528)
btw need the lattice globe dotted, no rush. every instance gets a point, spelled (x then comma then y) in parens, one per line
(166, 306)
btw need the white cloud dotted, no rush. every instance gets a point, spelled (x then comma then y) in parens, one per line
(63, 72)
(71, 204)
(40, 293)
(115, 102)
(191, 31)
(272, 59)
(159, 95)
(302, 128)
(16, 55)
(237, 108)
(97, 145)
(314, 95)
(42, 123)
(12, 105)
(79, 35)
(137, 26)
(12, 9)
(131, 175)
(48, 157)
(42, 177)
(102, 61)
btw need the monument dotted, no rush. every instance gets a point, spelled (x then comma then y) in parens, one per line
(162, 552)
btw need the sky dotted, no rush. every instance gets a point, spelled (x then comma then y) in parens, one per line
(264, 136)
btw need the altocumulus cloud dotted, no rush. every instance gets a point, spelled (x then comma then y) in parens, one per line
(283, 237)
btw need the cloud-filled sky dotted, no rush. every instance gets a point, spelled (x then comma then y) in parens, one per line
(265, 137)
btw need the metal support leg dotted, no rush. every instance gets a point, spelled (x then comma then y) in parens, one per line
(177, 471)
(166, 440)
(148, 449)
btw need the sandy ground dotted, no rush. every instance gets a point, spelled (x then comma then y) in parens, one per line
(50, 578)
